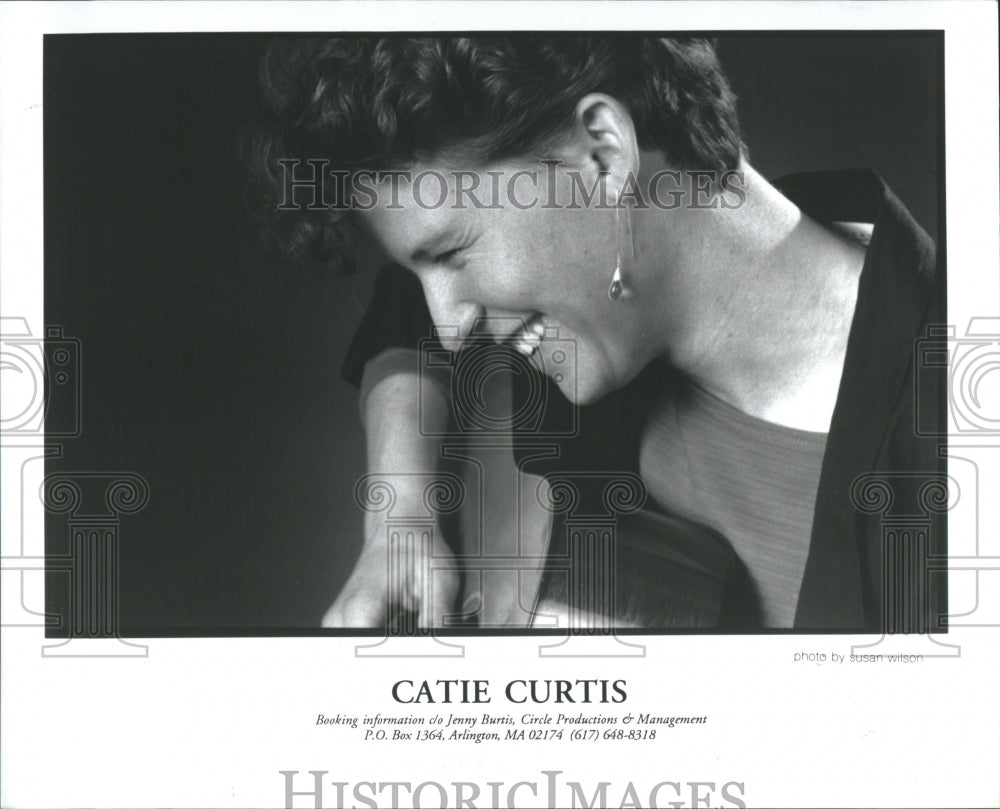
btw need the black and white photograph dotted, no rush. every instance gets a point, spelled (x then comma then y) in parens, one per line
(407, 407)
(650, 387)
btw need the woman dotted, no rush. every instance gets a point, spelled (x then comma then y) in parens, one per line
(616, 210)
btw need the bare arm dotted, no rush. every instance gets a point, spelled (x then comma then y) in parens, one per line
(396, 446)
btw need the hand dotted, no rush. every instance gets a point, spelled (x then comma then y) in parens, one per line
(369, 599)
(401, 431)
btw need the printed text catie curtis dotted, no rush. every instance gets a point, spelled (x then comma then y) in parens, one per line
(515, 691)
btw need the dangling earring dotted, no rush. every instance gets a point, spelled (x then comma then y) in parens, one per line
(617, 287)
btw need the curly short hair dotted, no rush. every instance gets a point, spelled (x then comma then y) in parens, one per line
(379, 103)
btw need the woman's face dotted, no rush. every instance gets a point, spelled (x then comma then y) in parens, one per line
(513, 259)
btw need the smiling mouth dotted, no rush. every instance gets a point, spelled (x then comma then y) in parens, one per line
(528, 339)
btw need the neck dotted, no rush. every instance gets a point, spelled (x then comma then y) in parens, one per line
(754, 302)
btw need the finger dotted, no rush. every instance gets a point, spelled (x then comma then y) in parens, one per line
(441, 592)
(364, 608)
(408, 575)
(332, 618)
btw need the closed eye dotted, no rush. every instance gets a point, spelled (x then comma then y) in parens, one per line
(448, 257)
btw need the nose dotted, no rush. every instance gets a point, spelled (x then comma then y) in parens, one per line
(454, 317)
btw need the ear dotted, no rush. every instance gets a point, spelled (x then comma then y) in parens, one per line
(603, 141)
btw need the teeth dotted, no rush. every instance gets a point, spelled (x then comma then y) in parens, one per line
(527, 347)
(530, 338)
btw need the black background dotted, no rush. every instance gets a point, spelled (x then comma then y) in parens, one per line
(213, 371)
